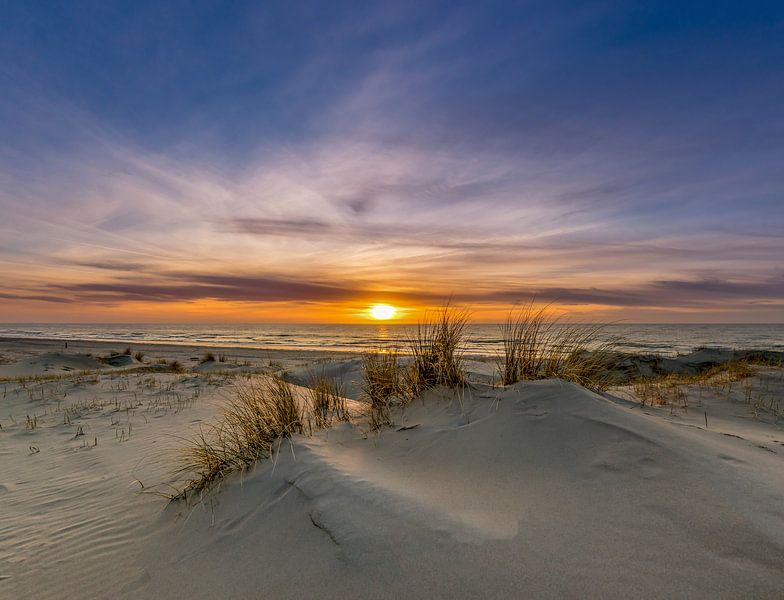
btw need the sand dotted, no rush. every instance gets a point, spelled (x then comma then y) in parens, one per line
(541, 489)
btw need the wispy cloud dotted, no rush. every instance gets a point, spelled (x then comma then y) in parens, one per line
(396, 152)
(35, 297)
(190, 287)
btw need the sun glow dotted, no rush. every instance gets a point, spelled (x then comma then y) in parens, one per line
(382, 312)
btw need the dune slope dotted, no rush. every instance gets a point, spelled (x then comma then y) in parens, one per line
(540, 490)
(51, 364)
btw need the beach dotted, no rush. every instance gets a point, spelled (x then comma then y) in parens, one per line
(536, 489)
(391, 300)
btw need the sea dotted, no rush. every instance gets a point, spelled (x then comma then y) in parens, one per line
(482, 339)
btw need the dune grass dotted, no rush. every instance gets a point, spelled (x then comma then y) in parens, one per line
(578, 354)
(728, 372)
(668, 389)
(437, 347)
(436, 350)
(257, 415)
(207, 357)
(260, 412)
(660, 391)
(326, 400)
(175, 366)
(759, 358)
(381, 386)
(524, 336)
(536, 346)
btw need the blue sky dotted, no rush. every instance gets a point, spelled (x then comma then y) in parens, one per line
(198, 160)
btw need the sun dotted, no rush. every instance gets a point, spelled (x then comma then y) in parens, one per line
(382, 312)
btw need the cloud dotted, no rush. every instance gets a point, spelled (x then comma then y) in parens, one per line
(413, 152)
(109, 265)
(716, 290)
(35, 297)
(704, 293)
(278, 227)
(189, 287)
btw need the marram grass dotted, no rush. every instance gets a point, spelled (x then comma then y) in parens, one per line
(535, 347)
(437, 347)
(258, 414)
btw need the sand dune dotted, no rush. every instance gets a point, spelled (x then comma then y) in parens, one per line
(52, 363)
(540, 489)
(73, 521)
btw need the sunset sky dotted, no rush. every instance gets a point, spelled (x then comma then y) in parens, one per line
(299, 161)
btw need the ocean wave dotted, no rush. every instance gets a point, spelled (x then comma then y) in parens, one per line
(483, 339)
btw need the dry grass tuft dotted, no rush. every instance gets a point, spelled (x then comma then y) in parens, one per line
(437, 348)
(326, 399)
(669, 389)
(728, 372)
(759, 358)
(176, 366)
(381, 386)
(660, 391)
(207, 357)
(538, 348)
(258, 414)
(139, 356)
(524, 336)
(578, 355)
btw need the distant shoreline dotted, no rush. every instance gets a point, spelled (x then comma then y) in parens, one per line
(481, 340)
(28, 344)
(119, 345)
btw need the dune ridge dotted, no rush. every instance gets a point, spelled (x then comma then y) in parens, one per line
(539, 489)
(536, 489)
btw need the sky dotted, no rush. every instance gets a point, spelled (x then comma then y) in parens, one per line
(299, 161)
